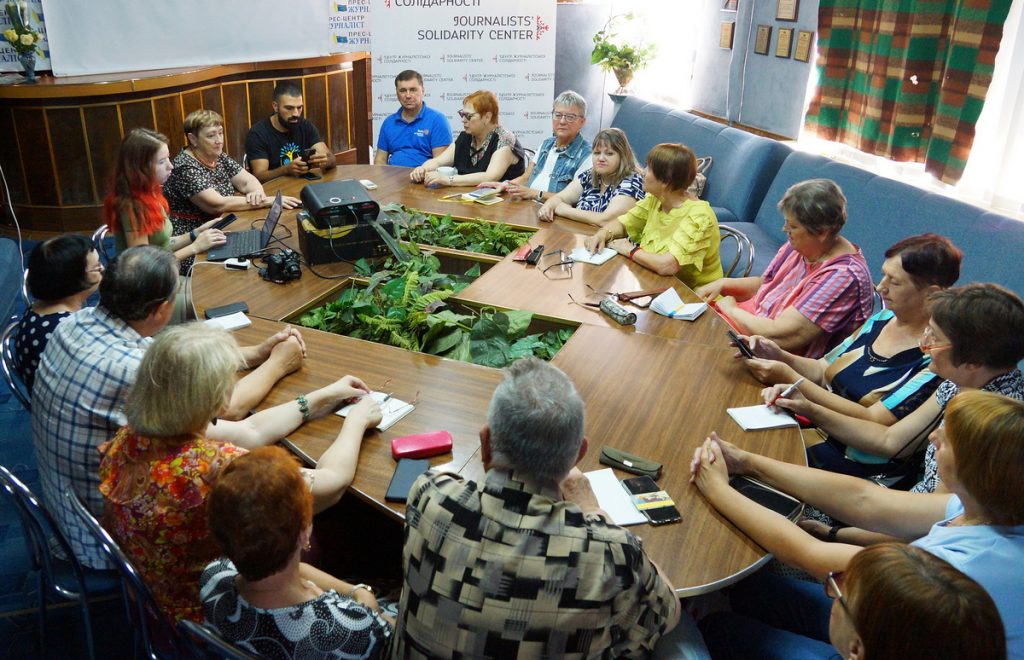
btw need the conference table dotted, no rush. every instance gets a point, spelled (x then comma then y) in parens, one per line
(655, 389)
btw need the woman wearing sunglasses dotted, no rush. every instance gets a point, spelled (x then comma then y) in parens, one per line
(978, 528)
(483, 151)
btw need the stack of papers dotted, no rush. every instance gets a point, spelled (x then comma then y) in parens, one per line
(613, 498)
(230, 321)
(759, 418)
(582, 255)
(671, 305)
(393, 409)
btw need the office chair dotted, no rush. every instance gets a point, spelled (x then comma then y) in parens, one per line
(66, 580)
(159, 639)
(215, 646)
(744, 254)
(10, 374)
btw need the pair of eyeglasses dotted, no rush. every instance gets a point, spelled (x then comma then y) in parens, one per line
(833, 589)
(567, 116)
(467, 115)
(559, 260)
(927, 342)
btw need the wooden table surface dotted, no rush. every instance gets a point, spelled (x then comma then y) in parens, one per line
(655, 389)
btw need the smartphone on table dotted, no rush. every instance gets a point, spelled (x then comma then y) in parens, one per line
(225, 221)
(651, 500)
(406, 471)
(768, 497)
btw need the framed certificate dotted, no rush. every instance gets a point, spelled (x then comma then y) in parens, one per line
(764, 37)
(725, 34)
(787, 10)
(785, 43)
(804, 39)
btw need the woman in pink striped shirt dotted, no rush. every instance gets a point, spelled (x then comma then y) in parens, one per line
(817, 289)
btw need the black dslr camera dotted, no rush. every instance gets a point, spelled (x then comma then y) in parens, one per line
(282, 267)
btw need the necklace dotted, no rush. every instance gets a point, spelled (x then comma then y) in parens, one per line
(192, 152)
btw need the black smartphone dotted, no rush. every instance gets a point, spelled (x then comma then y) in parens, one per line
(307, 154)
(225, 221)
(740, 344)
(651, 501)
(311, 176)
(768, 497)
(406, 472)
(224, 310)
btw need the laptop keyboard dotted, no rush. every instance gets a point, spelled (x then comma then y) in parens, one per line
(244, 242)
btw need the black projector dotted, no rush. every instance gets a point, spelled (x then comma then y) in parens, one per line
(335, 225)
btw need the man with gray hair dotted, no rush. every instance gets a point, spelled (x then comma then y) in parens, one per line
(89, 365)
(560, 158)
(526, 564)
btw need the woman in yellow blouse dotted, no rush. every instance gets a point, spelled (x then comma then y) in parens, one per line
(671, 231)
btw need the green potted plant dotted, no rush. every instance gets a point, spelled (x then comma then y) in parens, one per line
(614, 54)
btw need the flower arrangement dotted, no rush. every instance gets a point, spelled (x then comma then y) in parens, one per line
(22, 38)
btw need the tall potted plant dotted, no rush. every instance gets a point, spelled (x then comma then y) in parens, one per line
(613, 53)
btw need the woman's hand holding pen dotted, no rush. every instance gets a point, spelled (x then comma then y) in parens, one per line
(793, 401)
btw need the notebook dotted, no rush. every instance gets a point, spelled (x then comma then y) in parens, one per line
(762, 417)
(671, 305)
(250, 241)
(392, 410)
(613, 498)
(583, 256)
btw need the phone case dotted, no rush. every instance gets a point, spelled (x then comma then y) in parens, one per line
(224, 310)
(406, 472)
(523, 252)
(421, 445)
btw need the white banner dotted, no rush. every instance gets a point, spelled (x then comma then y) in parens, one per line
(461, 46)
(9, 56)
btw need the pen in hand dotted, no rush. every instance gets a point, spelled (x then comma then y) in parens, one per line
(788, 392)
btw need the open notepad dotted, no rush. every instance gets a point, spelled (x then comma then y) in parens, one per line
(393, 410)
(669, 304)
(583, 256)
(230, 322)
(762, 417)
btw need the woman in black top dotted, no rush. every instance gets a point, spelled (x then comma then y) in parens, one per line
(484, 151)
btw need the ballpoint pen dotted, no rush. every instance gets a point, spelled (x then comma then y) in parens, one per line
(788, 392)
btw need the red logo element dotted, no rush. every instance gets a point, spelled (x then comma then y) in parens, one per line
(542, 27)
(387, 3)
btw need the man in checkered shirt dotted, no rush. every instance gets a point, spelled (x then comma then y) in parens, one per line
(87, 368)
(526, 564)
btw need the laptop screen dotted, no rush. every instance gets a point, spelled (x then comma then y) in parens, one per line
(272, 217)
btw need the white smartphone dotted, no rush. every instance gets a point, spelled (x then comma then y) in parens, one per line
(369, 185)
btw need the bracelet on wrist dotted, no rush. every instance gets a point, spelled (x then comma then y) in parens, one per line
(368, 588)
(303, 407)
(633, 251)
(192, 236)
(832, 532)
(540, 196)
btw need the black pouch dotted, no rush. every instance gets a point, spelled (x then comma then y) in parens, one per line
(631, 463)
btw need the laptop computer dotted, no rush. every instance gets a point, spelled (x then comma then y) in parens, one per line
(251, 241)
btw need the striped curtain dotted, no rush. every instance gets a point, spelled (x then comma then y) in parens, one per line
(907, 79)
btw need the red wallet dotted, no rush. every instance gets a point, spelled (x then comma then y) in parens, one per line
(421, 445)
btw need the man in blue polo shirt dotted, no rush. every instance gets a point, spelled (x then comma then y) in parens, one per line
(415, 133)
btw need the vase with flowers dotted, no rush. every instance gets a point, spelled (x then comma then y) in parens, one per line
(613, 53)
(23, 38)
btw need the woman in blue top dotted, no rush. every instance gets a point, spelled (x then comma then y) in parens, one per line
(879, 373)
(979, 528)
(609, 189)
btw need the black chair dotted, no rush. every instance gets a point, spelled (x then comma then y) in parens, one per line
(155, 637)
(11, 377)
(67, 580)
(210, 642)
(743, 258)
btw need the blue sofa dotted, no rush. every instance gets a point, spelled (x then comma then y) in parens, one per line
(743, 164)
(753, 171)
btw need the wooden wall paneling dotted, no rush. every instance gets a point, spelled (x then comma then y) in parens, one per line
(236, 118)
(10, 159)
(337, 111)
(34, 143)
(212, 100)
(136, 114)
(314, 100)
(168, 117)
(104, 141)
(361, 117)
(190, 102)
(71, 157)
(261, 98)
